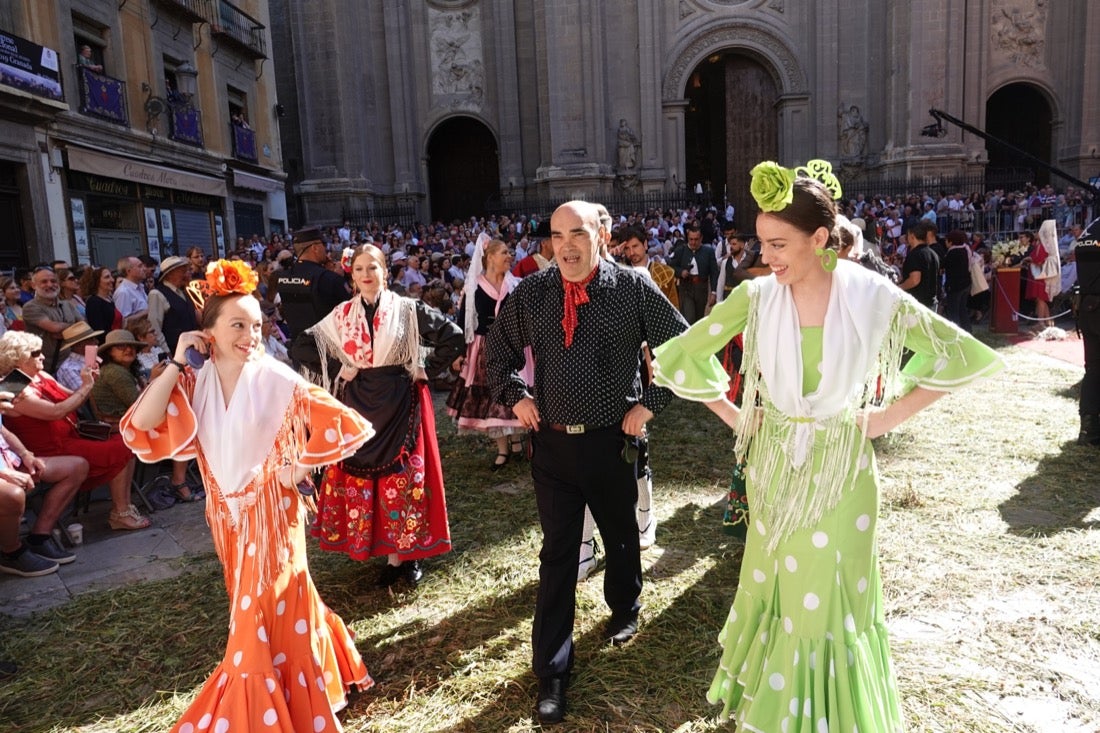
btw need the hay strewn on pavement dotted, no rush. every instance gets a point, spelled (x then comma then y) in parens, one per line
(990, 544)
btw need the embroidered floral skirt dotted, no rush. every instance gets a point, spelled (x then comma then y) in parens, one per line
(403, 512)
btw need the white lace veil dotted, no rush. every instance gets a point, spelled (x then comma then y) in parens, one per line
(469, 287)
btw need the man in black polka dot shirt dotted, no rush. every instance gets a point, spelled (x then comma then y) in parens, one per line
(585, 322)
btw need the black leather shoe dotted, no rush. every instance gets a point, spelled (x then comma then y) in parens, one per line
(621, 627)
(412, 571)
(390, 574)
(551, 705)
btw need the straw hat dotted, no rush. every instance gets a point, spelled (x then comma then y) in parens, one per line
(172, 263)
(120, 337)
(74, 334)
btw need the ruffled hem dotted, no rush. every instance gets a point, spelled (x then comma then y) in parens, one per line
(251, 702)
(290, 693)
(771, 680)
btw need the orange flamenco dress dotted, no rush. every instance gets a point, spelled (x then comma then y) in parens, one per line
(289, 660)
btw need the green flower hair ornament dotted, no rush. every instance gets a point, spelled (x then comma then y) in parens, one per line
(772, 185)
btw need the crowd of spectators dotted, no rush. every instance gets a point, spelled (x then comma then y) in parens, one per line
(122, 312)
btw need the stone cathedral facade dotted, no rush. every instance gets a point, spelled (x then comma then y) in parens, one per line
(448, 104)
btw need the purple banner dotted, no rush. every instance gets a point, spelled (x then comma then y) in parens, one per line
(102, 96)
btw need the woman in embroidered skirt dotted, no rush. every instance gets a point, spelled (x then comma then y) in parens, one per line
(470, 403)
(388, 498)
(804, 647)
(257, 429)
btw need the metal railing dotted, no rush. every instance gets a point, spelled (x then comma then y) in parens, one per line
(102, 96)
(194, 10)
(185, 125)
(619, 202)
(403, 213)
(244, 30)
(244, 143)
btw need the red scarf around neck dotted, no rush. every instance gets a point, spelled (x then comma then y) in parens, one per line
(576, 293)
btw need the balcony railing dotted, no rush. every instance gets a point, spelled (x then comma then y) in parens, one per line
(196, 11)
(244, 31)
(102, 96)
(244, 143)
(185, 125)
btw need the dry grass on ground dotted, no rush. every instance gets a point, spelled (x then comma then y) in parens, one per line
(990, 543)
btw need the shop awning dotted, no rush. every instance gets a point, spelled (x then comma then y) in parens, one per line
(256, 183)
(139, 171)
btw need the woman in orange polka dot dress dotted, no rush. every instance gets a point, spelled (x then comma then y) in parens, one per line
(257, 429)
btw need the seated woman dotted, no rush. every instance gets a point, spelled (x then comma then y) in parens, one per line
(97, 286)
(12, 308)
(70, 289)
(75, 339)
(119, 382)
(20, 470)
(149, 354)
(44, 418)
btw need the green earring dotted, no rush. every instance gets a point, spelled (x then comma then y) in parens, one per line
(828, 258)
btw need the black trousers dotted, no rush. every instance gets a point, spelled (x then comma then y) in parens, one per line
(1088, 320)
(569, 472)
(693, 299)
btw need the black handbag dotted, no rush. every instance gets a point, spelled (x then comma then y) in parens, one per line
(94, 429)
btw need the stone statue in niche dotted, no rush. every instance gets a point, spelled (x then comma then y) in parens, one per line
(853, 132)
(627, 146)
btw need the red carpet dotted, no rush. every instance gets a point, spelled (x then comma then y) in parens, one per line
(1069, 350)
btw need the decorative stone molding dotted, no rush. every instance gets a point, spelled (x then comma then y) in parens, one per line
(1018, 30)
(737, 36)
(686, 9)
(457, 65)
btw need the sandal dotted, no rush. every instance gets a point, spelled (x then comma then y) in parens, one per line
(177, 490)
(498, 463)
(129, 519)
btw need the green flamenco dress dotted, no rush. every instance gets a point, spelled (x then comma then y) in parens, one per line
(804, 648)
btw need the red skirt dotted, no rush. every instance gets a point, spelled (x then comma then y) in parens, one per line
(403, 512)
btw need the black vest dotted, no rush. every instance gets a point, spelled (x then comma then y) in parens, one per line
(298, 293)
(179, 318)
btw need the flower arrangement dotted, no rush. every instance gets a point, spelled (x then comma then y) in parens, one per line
(772, 185)
(1007, 253)
(223, 277)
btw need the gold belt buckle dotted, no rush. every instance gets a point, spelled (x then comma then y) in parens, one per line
(574, 429)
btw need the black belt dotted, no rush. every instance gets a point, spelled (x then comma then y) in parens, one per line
(695, 279)
(580, 429)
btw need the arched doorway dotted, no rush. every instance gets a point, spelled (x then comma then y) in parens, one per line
(730, 125)
(463, 169)
(1020, 115)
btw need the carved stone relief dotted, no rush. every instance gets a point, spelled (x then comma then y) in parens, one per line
(458, 71)
(1018, 28)
(789, 76)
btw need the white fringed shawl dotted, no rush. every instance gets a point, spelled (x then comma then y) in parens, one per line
(861, 340)
(343, 335)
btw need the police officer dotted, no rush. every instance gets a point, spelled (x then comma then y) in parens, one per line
(1087, 255)
(309, 290)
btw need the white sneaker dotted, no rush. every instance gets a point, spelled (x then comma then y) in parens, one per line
(587, 561)
(647, 537)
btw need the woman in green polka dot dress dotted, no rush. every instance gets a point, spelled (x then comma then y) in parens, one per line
(804, 647)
